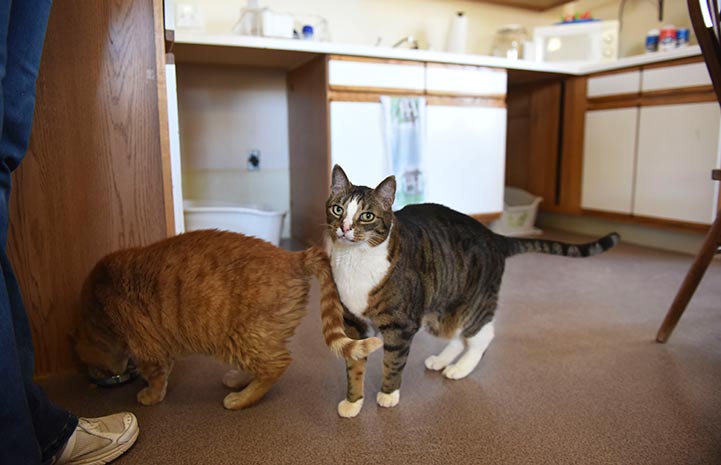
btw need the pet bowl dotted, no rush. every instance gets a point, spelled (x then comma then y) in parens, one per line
(116, 380)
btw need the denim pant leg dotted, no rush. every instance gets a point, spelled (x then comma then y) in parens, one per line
(32, 429)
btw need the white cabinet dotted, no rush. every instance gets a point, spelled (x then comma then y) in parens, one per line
(465, 157)
(464, 153)
(653, 161)
(608, 160)
(357, 142)
(677, 149)
(614, 84)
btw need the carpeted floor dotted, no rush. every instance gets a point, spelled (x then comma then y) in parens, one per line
(573, 377)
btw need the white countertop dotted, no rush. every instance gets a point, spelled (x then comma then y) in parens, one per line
(333, 48)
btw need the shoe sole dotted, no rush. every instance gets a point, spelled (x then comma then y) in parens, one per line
(111, 454)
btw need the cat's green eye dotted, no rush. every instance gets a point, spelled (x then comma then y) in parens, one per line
(367, 217)
(337, 210)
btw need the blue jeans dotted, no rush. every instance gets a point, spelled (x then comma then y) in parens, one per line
(32, 429)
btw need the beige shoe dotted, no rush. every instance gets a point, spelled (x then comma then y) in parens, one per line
(97, 441)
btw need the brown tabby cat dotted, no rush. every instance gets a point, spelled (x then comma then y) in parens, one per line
(209, 292)
(424, 266)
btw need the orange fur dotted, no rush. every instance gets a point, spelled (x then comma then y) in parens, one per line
(206, 292)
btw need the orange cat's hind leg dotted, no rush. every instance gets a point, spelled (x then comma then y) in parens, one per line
(256, 389)
(236, 379)
(156, 374)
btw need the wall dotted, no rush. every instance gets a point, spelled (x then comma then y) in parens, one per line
(365, 21)
(224, 113)
(638, 17)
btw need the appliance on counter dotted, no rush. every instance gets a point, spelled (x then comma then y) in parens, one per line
(578, 42)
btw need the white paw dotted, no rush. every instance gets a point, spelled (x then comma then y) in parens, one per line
(348, 409)
(436, 363)
(457, 371)
(388, 400)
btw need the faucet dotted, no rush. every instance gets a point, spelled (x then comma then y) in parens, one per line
(407, 39)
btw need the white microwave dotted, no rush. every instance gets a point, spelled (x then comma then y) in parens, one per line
(585, 42)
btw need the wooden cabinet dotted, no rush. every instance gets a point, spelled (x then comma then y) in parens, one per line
(609, 153)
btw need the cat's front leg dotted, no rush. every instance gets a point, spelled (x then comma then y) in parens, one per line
(396, 347)
(355, 370)
(156, 374)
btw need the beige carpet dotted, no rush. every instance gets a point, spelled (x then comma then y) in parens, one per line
(573, 377)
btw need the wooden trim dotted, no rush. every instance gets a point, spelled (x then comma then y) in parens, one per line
(648, 221)
(604, 103)
(716, 175)
(679, 97)
(615, 71)
(466, 101)
(169, 40)
(385, 61)
(695, 94)
(335, 96)
(309, 142)
(486, 218)
(571, 150)
(543, 149)
(364, 95)
(375, 90)
(163, 124)
(527, 5)
(441, 93)
(678, 62)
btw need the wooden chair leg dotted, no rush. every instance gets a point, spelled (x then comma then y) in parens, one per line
(693, 278)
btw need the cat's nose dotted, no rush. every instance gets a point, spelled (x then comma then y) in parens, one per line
(346, 228)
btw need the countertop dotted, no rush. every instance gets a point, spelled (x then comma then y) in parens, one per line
(199, 47)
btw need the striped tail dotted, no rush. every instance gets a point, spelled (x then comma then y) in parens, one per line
(514, 246)
(331, 311)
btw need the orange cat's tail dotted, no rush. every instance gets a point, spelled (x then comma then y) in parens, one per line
(331, 312)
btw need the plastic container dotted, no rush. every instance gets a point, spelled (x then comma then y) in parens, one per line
(519, 213)
(251, 220)
(509, 42)
(251, 20)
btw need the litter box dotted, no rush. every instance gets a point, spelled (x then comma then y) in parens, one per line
(519, 213)
(251, 220)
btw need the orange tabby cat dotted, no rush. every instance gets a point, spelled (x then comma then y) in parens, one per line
(209, 292)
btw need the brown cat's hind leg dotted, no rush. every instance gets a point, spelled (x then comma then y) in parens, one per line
(156, 374)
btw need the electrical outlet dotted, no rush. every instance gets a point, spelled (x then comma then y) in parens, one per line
(254, 160)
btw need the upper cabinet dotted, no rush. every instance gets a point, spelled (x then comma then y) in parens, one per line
(536, 5)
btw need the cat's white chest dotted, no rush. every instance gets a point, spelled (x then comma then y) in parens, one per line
(357, 269)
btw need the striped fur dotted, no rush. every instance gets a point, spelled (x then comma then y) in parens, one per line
(442, 272)
(331, 311)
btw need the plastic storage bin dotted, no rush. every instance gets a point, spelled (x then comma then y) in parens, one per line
(251, 220)
(519, 213)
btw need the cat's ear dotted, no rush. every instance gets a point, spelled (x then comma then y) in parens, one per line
(386, 192)
(340, 180)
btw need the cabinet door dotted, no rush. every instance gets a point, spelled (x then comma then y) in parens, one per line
(677, 149)
(357, 141)
(609, 145)
(465, 157)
